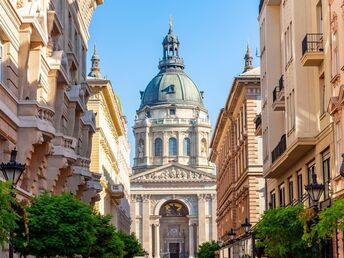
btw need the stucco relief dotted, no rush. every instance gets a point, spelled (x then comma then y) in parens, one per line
(174, 174)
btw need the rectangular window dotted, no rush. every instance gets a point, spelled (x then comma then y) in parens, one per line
(292, 104)
(326, 172)
(272, 203)
(291, 190)
(310, 171)
(323, 101)
(338, 136)
(335, 57)
(281, 195)
(172, 111)
(299, 186)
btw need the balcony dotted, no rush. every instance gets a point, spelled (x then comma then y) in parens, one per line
(312, 49)
(279, 149)
(268, 2)
(116, 190)
(278, 99)
(258, 123)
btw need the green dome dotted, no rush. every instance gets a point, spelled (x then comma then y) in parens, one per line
(171, 87)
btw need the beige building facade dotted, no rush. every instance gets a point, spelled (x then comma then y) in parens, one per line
(110, 154)
(43, 95)
(237, 153)
(301, 78)
(173, 188)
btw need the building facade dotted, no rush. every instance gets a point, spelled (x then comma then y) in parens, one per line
(110, 154)
(44, 94)
(173, 189)
(237, 153)
(301, 78)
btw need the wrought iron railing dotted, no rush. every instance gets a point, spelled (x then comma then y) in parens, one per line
(279, 149)
(312, 42)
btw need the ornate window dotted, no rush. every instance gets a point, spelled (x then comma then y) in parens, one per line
(172, 146)
(158, 147)
(187, 147)
(174, 209)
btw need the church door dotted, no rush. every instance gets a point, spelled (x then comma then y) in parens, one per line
(174, 250)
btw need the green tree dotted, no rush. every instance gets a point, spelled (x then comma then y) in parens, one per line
(132, 246)
(280, 232)
(108, 243)
(328, 220)
(58, 225)
(8, 216)
(208, 249)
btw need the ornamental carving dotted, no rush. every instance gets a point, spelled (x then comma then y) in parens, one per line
(174, 175)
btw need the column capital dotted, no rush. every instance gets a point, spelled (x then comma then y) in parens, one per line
(146, 197)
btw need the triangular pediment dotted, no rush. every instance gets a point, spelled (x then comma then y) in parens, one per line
(173, 172)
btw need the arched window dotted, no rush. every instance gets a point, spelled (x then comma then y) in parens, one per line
(172, 146)
(187, 151)
(158, 147)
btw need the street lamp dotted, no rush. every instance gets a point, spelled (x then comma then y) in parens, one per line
(12, 172)
(315, 190)
(231, 234)
(246, 226)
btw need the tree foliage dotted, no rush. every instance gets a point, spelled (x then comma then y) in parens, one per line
(132, 246)
(8, 216)
(280, 232)
(328, 220)
(58, 225)
(108, 243)
(208, 249)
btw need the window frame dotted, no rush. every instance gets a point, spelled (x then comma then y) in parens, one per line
(158, 147)
(172, 146)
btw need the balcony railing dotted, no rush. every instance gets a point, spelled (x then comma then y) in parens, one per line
(313, 42)
(279, 149)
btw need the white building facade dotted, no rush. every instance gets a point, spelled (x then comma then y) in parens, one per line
(173, 189)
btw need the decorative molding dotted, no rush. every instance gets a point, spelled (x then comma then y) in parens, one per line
(173, 174)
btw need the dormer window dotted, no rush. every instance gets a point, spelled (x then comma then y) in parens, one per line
(148, 114)
(172, 112)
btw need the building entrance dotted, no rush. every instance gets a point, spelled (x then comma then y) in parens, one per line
(174, 250)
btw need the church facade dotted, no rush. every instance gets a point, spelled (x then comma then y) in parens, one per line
(173, 188)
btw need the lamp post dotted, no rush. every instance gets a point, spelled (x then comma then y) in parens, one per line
(315, 191)
(247, 228)
(231, 234)
(12, 172)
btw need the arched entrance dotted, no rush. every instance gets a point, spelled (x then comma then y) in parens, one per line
(174, 228)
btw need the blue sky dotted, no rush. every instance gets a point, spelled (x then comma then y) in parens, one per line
(213, 37)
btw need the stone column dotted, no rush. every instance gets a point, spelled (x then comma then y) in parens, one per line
(191, 240)
(201, 218)
(213, 217)
(157, 240)
(133, 214)
(146, 225)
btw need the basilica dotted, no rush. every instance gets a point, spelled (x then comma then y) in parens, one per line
(173, 186)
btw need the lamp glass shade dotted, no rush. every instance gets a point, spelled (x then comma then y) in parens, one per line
(12, 170)
(246, 226)
(231, 234)
(315, 191)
